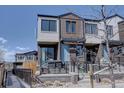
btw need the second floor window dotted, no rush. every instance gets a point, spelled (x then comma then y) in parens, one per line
(70, 26)
(20, 57)
(110, 31)
(48, 25)
(91, 28)
(29, 57)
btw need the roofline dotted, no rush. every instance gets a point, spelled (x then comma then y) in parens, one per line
(42, 15)
(93, 20)
(120, 22)
(59, 16)
(65, 14)
(25, 52)
(85, 19)
(113, 16)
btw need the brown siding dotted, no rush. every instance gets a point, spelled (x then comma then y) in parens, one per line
(121, 31)
(79, 27)
(30, 65)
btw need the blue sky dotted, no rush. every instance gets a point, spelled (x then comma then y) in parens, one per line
(18, 24)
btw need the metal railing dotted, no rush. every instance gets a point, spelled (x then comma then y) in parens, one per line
(54, 67)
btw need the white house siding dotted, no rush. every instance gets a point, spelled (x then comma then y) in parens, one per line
(96, 39)
(43, 36)
(92, 38)
(114, 22)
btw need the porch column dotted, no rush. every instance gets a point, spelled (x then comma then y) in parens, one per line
(39, 56)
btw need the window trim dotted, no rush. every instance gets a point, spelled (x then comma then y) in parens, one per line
(70, 27)
(49, 25)
(91, 32)
(110, 36)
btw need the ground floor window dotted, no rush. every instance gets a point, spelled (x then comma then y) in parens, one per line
(47, 54)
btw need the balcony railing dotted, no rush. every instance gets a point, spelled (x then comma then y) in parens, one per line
(54, 67)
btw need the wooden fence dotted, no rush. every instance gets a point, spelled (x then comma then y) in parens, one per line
(2, 70)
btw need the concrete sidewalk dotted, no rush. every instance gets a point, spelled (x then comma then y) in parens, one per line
(13, 81)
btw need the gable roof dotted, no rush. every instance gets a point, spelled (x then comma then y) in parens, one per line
(70, 13)
(115, 16)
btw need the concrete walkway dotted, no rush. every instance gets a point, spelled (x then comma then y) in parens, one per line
(13, 81)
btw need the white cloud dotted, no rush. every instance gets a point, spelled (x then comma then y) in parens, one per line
(22, 48)
(10, 54)
(2, 40)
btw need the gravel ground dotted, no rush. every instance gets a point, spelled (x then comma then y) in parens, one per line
(105, 83)
(84, 83)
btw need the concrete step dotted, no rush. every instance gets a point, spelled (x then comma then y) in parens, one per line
(53, 77)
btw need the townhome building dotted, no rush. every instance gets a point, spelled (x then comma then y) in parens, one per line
(48, 37)
(71, 34)
(57, 34)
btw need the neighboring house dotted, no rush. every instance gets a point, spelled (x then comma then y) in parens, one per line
(121, 34)
(95, 32)
(121, 30)
(56, 34)
(26, 60)
(94, 29)
(27, 56)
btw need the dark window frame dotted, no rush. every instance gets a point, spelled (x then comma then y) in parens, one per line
(110, 34)
(49, 25)
(91, 25)
(69, 27)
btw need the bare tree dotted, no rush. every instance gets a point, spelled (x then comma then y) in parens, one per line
(2, 52)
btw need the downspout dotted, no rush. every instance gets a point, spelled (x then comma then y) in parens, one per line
(38, 55)
(60, 39)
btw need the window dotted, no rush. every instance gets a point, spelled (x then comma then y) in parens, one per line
(45, 25)
(67, 26)
(91, 28)
(47, 54)
(29, 57)
(48, 25)
(20, 57)
(73, 27)
(110, 31)
(70, 26)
